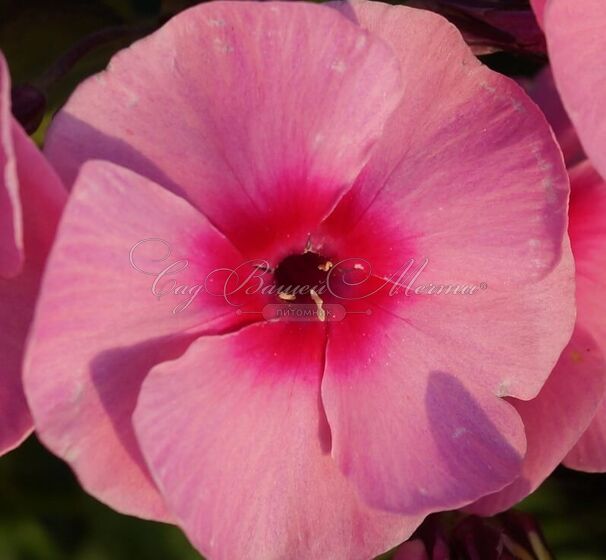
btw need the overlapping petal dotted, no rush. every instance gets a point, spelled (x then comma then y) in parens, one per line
(417, 398)
(254, 450)
(576, 386)
(588, 236)
(539, 9)
(543, 91)
(476, 186)
(555, 419)
(496, 211)
(31, 200)
(589, 453)
(11, 226)
(200, 108)
(99, 328)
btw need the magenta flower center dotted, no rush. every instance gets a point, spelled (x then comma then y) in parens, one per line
(299, 276)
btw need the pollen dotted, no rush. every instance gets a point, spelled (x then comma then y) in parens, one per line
(319, 303)
(576, 357)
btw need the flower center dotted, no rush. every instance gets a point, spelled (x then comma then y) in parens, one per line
(302, 277)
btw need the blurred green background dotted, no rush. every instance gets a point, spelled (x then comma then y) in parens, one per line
(44, 515)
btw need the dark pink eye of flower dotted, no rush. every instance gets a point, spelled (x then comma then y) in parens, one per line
(299, 146)
(303, 269)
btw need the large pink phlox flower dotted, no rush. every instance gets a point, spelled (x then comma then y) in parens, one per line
(301, 135)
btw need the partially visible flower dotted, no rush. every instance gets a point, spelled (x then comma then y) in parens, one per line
(588, 236)
(543, 91)
(576, 40)
(539, 8)
(587, 231)
(510, 536)
(31, 199)
(491, 26)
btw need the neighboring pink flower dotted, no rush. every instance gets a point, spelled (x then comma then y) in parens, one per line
(539, 8)
(304, 135)
(31, 198)
(576, 40)
(588, 236)
(576, 37)
(488, 27)
(587, 232)
(543, 91)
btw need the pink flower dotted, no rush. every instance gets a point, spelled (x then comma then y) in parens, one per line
(539, 8)
(355, 137)
(491, 26)
(587, 232)
(31, 198)
(576, 39)
(588, 235)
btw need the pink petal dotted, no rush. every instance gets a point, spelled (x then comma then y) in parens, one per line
(254, 451)
(11, 226)
(99, 329)
(411, 550)
(409, 434)
(539, 9)
(416, 422)
(17, 298)
(468, 176)
(28, 178)
(588, 235)
(43, 199)
(43, 196)
(555, 419)
(543, 91)
(576, 39)
(200, 107)
(467, 173)
(589, 454)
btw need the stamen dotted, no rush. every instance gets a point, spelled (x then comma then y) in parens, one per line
(264, 267)
(286, 296)
(308, 245)
(326, 266)
(318, 301)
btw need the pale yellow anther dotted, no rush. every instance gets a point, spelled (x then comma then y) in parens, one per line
(308, 245)
(538, 547)
(318, 301)
(514, 548)
(576, 357)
